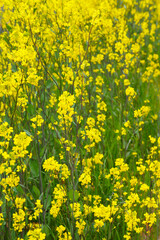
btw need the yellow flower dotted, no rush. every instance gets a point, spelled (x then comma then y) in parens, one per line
(37, 121)
(80, 225)
(130, 92)
(65, 109)
(36, 234)
(1, 218)
(85, 177)
(98, 224)
(19, 202)
(150, 219)
(38, 209)
(19, 220)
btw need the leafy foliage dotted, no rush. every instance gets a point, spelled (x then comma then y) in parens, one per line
(79, 119)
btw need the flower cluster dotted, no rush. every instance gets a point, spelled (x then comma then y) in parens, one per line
(79, 119)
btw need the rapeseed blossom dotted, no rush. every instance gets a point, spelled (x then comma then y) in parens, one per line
(79, 119)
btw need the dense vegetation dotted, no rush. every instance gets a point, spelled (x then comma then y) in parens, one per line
(79, 119)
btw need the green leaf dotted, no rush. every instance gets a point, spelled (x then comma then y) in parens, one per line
(34, 167)
(30, 204)
(49, 84)
(26, 237)
(19, 189)
(46, 229)
(36, 191)
(27, 132)
(42, 151)
(76, 195)
(30, 109)
(47, 202)
(9, 28)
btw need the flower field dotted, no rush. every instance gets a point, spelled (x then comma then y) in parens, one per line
(79, 119)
